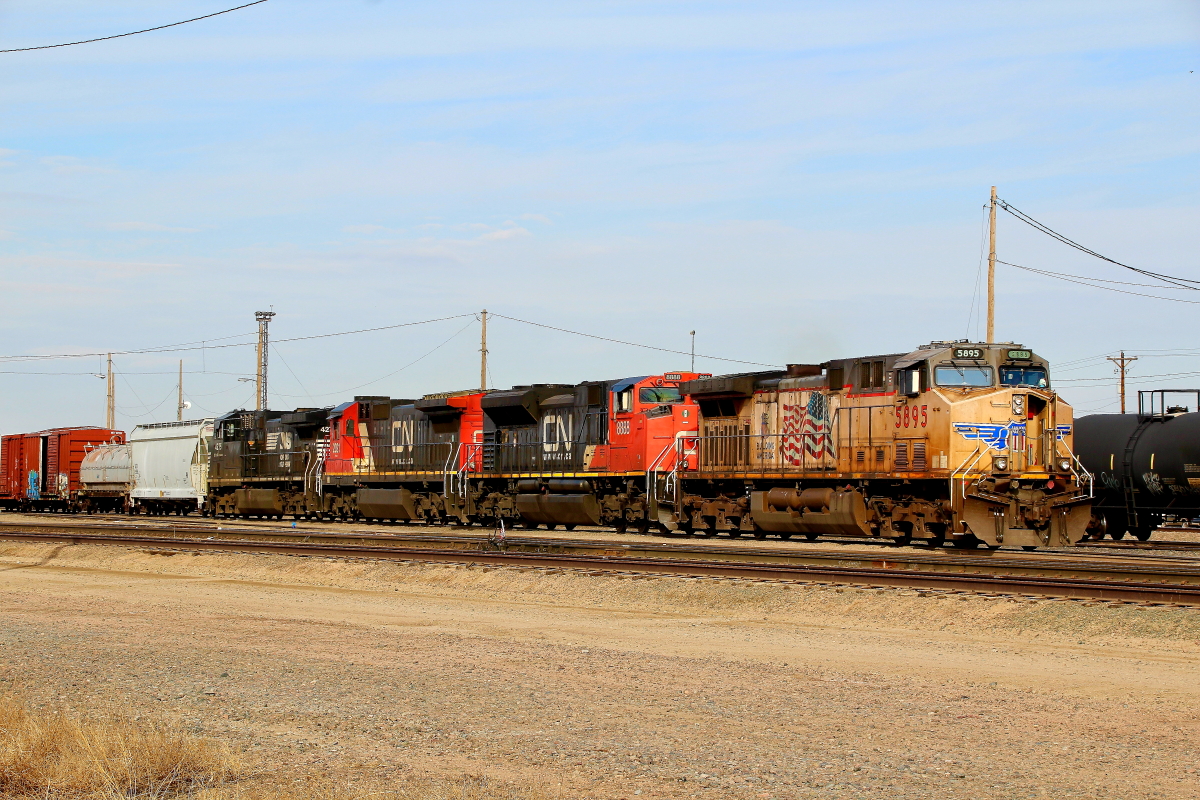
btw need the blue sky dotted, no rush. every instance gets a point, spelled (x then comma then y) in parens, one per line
(793, 181)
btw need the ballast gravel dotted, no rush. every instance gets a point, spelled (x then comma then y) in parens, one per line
(604, 686)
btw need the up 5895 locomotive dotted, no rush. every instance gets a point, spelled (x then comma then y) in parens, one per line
(954, 440)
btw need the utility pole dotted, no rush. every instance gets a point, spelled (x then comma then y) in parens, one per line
(260, 383)
(179, 411)
(693, 367)
(483, 351)
(991, 319)
(110, 407)
(1123, 364)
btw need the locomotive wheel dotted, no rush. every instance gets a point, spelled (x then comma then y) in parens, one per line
(642, 525)
(1029, 547)
(620, 526)
(570, 526)
(734, 533)
(1116, 533)
(785, 535)
(760, 534)
(1142, 534)
(812, 537)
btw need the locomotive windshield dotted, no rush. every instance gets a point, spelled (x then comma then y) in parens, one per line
(963, 377)
(659, 394)
(1024, 376)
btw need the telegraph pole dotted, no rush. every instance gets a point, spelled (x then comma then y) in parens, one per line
(1123, 364)
(260, 383)
(693, 368)
(179, 411)
(483, 351)
(991, 318)
(110, 407)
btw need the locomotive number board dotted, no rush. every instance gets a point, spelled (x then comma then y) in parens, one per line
(968, 352)
(1020, 355)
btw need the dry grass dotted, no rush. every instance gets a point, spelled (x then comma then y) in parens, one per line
(56, 755)
(53, 755)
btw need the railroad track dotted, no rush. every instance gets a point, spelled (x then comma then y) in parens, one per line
(1129, 579)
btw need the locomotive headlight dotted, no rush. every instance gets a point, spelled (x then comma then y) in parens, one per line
(1064, 464)
(1000, 464)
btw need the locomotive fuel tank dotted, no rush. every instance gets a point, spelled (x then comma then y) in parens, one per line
(1144, 466)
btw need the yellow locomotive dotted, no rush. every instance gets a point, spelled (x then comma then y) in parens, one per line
(955, 441)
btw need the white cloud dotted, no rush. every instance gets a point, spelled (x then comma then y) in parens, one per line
(505, 233)
(148, 226)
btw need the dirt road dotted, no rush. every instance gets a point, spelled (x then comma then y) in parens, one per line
(607, 687)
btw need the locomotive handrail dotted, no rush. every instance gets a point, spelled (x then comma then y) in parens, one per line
(652, 472)
(966, 468)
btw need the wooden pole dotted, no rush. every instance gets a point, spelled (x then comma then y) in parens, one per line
(693, 368)
(110, 408)
(483, 353)
(1123, 364)
(991, 290)
(179, 405)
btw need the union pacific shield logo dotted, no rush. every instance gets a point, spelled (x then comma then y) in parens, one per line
(998, 436)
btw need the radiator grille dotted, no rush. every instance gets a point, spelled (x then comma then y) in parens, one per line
(901, 455)
(919, 456)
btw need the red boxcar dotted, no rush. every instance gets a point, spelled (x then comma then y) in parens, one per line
(40, 471)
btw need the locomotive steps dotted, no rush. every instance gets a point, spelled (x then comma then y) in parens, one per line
(1114, 578)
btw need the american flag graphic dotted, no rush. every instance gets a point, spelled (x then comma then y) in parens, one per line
(804, 430)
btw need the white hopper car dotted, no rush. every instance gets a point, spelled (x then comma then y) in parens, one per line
(162, 469)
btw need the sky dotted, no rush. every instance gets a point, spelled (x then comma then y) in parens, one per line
(793, 181)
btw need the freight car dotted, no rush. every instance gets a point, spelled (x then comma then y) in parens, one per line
(1146, 465)
(954, 441)
(161, 469)
(40, 471)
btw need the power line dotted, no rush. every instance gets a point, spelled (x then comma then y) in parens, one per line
(397, 372)
(131, 33)
(1084, 282)
(1028, 220)
(205, 346)
(630, 344)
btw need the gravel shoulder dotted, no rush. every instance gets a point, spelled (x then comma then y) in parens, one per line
(608, 687)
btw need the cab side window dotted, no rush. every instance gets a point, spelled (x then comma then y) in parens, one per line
(624, 400)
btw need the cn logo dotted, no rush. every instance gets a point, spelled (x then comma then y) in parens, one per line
(402, 435)
(556, 433)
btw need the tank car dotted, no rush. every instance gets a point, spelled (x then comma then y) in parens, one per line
(105, 478)
(954, 441)
(1146, 465)
(40, 471)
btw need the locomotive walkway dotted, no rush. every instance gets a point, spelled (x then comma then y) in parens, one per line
(1100, 577)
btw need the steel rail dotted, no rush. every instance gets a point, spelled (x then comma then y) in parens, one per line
(1130, 582)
